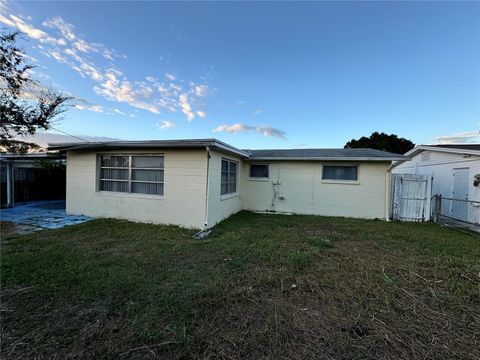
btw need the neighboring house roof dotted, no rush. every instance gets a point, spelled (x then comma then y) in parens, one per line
(30, 156)
(475, 147)
(281, 154)
(461, 149)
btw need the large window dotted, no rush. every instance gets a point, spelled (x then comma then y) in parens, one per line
(228, 183)
(344, 173)
(259, 171)
(141, 174)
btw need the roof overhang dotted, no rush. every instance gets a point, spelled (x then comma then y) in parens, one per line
(32, 156)
(154, 144)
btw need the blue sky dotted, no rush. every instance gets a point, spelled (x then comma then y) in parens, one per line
(274, 75)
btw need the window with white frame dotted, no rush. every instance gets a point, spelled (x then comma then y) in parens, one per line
(228, 183)
(140, 174)
(341, 173)
(258, 171)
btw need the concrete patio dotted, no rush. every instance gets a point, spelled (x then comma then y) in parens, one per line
(38, 215)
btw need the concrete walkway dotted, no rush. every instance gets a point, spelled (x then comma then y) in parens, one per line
(38, 215)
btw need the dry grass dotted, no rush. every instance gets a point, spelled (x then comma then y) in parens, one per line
(261, 287)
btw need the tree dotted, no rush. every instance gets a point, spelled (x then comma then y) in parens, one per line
(382, 141)
(25, 106)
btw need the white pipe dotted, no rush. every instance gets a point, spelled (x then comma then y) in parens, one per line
(10, 190)
(207, 188)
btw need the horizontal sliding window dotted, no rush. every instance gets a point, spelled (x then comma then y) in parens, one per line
(132, 174)
(259, 171)
(228, 183)
(345, 173)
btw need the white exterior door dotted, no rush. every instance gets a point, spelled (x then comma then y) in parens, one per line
(460, 192)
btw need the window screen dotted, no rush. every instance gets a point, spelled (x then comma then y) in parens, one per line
(349, 173)
(228, 183)
(131, 173)
(258, 171)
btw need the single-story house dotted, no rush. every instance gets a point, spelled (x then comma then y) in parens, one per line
(198, 183)
(454, 169)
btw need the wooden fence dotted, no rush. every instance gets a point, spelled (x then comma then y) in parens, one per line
(411, 196)
(34, 184)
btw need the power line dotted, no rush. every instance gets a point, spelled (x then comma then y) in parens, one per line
(64, 132)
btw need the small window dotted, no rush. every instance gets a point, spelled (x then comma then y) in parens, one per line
(132, 174)
(259, 171)
(344, 173)
(228, 183)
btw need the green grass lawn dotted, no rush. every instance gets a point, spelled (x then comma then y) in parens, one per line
(260, 287)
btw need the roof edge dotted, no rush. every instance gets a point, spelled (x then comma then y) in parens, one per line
(419, 148)
(332, 158)
(186, 143)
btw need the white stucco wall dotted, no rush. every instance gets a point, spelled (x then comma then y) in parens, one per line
(440, 166)
(304, 192)
(183, 202)
(220, 207)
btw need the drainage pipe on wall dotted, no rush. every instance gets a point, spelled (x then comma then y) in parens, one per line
(207, 188)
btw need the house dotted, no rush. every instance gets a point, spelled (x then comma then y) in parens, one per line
(454, 169)
(198, 183)
(454, 172)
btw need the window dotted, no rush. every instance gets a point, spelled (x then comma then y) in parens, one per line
(141, 174)
(259, 171)
(345, 173)
(228, 184)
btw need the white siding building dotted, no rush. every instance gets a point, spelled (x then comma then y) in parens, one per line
(453, 169)
(198, 183)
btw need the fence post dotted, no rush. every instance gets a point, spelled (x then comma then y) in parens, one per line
(10, 184)
(438, 207)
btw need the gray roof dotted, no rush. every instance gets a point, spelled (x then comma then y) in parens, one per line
(148, 144)
(324, 154)
(280, 154)
(459, 146)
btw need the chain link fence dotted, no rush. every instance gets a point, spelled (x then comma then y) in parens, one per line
(456, 212)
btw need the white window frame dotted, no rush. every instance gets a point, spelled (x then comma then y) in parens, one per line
(232, 194)
(259, 178)
(129, 179)
(339, 181)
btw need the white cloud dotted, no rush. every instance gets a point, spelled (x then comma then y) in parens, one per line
(265, 130)
(185, 106)
(166, 124)
(60, 41)
(83, 46)
(95, 108)
(463, 137)
(257, 111)
(200, 90)
(119, 112)
(29, 30)
(62, 26)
